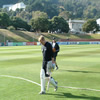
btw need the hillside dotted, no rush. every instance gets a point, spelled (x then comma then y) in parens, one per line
(76, 9)
(25, 36)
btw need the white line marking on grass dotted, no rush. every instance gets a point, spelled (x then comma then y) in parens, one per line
(79, 88)
(40, 85)
(21, 79)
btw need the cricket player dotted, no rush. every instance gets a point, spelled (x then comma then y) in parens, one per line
(56, 49)
(48, 64)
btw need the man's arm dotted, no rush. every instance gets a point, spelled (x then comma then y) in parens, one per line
(52, 55)
(57, 47)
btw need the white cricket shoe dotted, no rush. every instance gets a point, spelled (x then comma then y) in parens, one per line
(42, 92)
(56, 88)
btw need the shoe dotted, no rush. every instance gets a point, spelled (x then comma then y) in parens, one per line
(56, 87)
(42, 92)
(56, 67)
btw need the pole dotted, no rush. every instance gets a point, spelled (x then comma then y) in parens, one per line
(4, 38)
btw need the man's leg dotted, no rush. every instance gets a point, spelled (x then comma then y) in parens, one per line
(42, 77)
(50, 79)
(56, 63)
(54, 83)
(49, 68)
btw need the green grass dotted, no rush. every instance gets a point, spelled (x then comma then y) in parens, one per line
(79, 66)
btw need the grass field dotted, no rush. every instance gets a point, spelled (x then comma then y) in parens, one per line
(79, 66)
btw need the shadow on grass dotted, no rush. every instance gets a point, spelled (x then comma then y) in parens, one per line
(81, 53)
(84, 36)
(71, 96)
(47, 36)
(56, 36)
(79, 71)
(6, 38)
(59, 38)
(22, 34)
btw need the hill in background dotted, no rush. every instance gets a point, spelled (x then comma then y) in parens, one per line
(25, 36)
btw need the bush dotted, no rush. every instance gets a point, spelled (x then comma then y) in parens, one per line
(11, 28)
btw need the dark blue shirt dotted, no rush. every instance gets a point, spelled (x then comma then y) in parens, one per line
(47, 52)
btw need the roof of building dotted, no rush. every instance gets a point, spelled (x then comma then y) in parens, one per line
(76, 21)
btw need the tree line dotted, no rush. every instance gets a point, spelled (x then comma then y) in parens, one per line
(74, 9)
(52, 15)
(43, 23)
(40, 23)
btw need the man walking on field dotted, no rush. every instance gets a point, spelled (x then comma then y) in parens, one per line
(56, 49)
(48, 64)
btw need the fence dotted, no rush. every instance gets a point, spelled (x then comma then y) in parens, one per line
(60, 43)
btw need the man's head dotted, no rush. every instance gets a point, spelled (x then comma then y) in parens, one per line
(41, 39)
(54, 40)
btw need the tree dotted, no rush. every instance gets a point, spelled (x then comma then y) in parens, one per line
(65, 14)
(58, 23)
(24, 15)
(90, 25)
(77, 8)
(40, 24)
(19, 23)
(4, 20)
(90, 12)
(36, 14)
(51, 10)
(48, 6)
